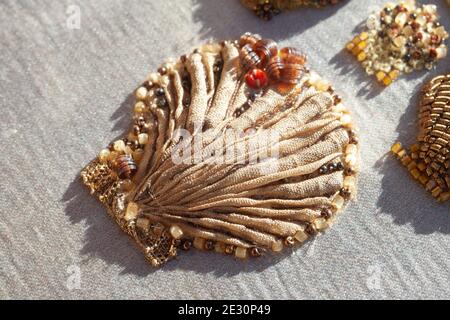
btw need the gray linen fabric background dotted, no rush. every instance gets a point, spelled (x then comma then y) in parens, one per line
(65, 93)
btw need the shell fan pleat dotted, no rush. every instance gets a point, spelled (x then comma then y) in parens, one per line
(235, 148)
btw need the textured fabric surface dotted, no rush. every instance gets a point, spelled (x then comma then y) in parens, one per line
(65, 93)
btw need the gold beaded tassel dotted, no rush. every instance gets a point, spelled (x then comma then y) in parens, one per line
(428, 161)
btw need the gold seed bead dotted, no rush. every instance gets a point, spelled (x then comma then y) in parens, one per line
(137, 154)
(301, 236)
(320, 224)
(241, 253)
(220, 247)
(139, 107)
(143, 224)
(131, 211)
(199, 243)
(396, 148)
(126, 185)
(176, 232)
(338, 202)
(277, 246)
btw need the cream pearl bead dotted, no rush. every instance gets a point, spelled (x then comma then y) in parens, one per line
(104, 154)
(141, 93)
(143, 138)
(119, 146)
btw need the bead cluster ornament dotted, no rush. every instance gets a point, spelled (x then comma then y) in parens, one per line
(267, 9)
(199, 169)
(401, 38)
(428, 160)
(267, 65)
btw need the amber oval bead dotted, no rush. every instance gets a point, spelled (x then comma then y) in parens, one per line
(266, 49)
(249, 58)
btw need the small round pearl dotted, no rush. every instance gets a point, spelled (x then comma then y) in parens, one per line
(143, 138)
(119, 146)
(141, 93)
(154, 77)
(104, 155)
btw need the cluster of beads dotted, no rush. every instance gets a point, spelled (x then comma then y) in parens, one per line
(267, 9)
(400, 38)
(265, 64)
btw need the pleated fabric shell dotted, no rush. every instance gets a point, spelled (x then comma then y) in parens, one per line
(243, 206)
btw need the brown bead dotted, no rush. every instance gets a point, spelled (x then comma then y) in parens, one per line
(345, 192)
(229, 249)
(354, 140)
(292, 55)
(136, 130)
(337, 99)
(349, 171)
(248, 38)
(274, 69)
(310, 229)
(209, 245)
(291, 73)
(256, 252)
(162, 71)
(126, 167)
(186, 245)
(266, 49)
(249, 58)
(289, 241)
(326, 213)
